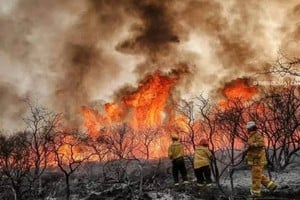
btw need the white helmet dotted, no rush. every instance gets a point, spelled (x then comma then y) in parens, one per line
(251, 124)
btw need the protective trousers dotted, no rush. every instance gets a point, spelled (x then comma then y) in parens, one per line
(258, 178)
(203, 175)
(179, 166)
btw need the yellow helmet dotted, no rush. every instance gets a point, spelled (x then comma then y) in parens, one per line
(174, 136)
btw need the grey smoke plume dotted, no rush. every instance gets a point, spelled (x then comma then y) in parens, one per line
(31, 37)
(11, 106)
(68, 53)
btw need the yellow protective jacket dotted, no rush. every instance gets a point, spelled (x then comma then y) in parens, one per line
(256, 154)
(202, 157)
(175, 150)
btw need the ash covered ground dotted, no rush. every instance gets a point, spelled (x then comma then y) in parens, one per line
(153, 180)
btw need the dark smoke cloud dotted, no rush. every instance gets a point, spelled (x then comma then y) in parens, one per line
(85, 62)
(156, 33)
(69, 52)
(157, 36)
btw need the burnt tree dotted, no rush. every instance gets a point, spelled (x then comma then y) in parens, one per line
(15, 163)
(70, 152)
(285, 65)
(231, 123)
(147, 137)
(277, 114)
(119, 140)
(121, 143)
(208, 128)
(41, 126)
(188, 125)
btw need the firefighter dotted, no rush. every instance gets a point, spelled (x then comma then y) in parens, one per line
(176, 154)
(256, 158)
(202, 159)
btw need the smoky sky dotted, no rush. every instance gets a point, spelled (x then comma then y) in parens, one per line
(71, 53)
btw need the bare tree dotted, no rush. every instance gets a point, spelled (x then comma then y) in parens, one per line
(99, 147)
(231, 123)
(119, 140)
(41, 126)
(121, 143)
(286, 66)
(70, 152)
(187, 124)
(15, 163)
(208, 128)
(278, 116)
(146, 137)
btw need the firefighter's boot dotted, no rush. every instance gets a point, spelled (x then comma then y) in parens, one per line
(271, 186)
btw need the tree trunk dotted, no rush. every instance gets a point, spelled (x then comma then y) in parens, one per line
(67, 176)
(40, 186)
(17, 193)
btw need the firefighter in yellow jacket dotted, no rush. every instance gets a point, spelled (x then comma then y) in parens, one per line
(176, 154)
(202, 159)
(256, 158)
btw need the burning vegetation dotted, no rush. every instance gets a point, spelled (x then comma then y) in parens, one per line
(142, 108)
(237, 89)
(147, 57)
(138, 126)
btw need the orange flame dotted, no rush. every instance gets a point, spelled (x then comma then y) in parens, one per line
(149, 101)
(237, 89)
(143, 108)
(91, 121)
(147, 107)
(114, 113)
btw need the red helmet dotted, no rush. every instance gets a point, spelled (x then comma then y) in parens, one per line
(203, 142)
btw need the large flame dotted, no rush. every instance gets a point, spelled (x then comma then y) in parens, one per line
(149, 112)
(237, 89)
(147, 108)
(236, 93)
(149, 101)
(144, 108)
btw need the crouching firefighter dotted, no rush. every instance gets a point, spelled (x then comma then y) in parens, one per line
(176, 154)
(256, 157)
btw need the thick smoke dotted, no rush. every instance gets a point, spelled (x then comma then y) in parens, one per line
(31, 35)
(68, 53)
(11, 106)
(86, 62)
(157, 37)
(240, 38)
(156, 31)
(291, 40)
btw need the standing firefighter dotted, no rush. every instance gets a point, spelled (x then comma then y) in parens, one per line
(256, 158)
(202, 159)
(176, 154)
